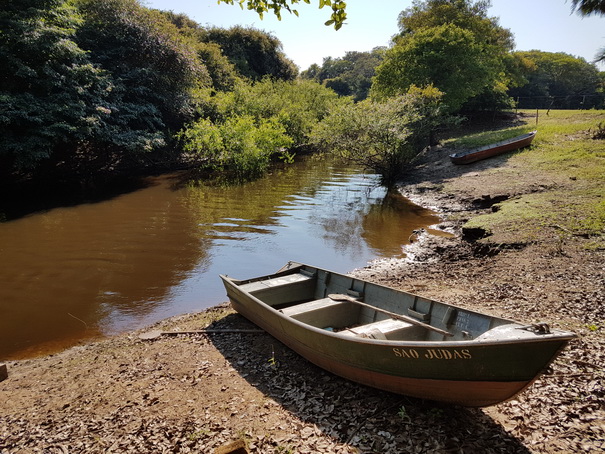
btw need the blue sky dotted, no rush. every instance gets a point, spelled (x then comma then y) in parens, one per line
(546, 25)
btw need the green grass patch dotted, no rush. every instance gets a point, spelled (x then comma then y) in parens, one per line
(565, 152)
(520, 220)
(486, 137)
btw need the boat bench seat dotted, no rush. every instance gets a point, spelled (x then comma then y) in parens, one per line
(382, 329)
(275, 282)
(324, 312)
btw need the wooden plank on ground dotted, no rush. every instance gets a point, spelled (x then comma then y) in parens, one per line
(3, 372)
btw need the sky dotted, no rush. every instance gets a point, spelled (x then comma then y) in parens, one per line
(547, 25)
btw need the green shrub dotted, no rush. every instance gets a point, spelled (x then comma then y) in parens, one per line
(240, 148)
(384, 137)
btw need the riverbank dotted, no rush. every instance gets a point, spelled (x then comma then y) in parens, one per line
(198, 393)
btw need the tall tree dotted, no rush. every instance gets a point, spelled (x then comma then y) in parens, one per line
(222, 72)
(447, 57)
(50, 93)
(150, 61)
(558, 80)
(350, 75)
(254, 53)
(452, 44)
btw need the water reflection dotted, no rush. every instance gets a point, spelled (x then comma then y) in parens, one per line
(79, 272)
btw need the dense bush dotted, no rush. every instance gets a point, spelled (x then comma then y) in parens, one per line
(558, 80)
(89, 86)
(254, 53)
(240, 130)
(50, 93)
(386, 136)
(92, 88)
(297, 105)
(240, 148)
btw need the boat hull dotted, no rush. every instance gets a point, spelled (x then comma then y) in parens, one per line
(458, 372)
(489, 151)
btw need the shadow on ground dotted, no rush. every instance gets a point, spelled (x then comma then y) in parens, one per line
(368, 419)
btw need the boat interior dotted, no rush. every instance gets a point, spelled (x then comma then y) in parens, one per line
(354, 307)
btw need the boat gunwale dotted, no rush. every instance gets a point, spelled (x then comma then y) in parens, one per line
(557, 336)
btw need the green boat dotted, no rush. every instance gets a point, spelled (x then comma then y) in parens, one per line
(394, 340)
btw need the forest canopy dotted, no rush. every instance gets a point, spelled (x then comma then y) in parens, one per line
(93, 89)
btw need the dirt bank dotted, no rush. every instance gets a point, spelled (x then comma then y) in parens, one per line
(197, 393)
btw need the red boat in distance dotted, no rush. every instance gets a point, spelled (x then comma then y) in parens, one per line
(488, 151)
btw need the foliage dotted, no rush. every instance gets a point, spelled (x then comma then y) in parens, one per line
(350, 75)
(588, 7)
(222, 72)
(296, 105)
(50, 94)
(452, 45)
(558, 80)
(240, 147)
(383, 136)
(239, 131)
(337, 18)
(467, 14)
(254, 53)
(446, 56)
(146, 55)
(89, 87)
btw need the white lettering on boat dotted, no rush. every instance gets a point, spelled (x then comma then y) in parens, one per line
(406, 353)
(432, 353)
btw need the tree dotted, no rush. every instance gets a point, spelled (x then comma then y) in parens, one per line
(337, 18)
(452, 44)
(383, 136)
(558, 80)
(90, 86)
(467, 14)
(50, 93)
(350, 75)
(222, 72)
(447, 57)
(152, 64)
(254, 53)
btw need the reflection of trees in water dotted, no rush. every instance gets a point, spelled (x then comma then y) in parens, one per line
(388, 224)
(362, 214)
(256, 207)
(341, 226)
(74, 272)
(67, 269)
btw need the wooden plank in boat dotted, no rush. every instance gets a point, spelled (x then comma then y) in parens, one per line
(312, 306)
(323, 312)
(275, 282)
(373, 330)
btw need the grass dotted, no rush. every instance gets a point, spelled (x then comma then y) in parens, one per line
(564, 152)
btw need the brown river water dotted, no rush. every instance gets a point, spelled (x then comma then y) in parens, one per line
(76, 273)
